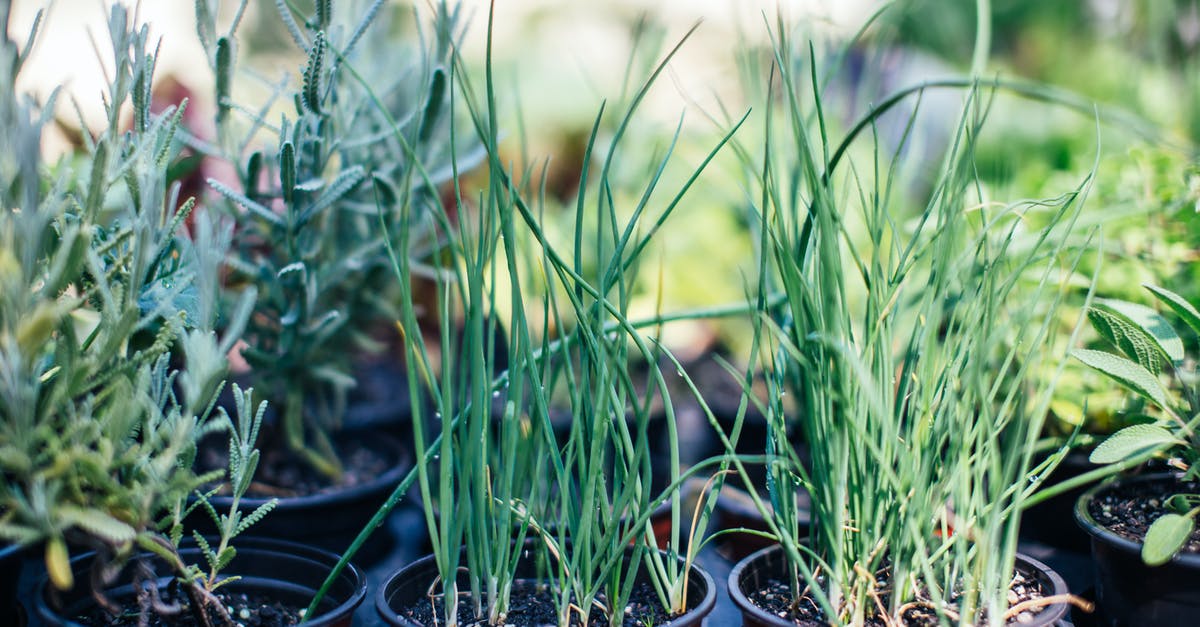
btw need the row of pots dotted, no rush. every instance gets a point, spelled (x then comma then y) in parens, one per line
(290, 573)
(1128, 592)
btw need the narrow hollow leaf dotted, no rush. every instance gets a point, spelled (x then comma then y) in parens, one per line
(1181, 307)
(1131, 441)
(1132, 376)
(1165, 537)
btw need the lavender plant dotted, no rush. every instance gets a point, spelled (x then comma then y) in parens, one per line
(108, 361)
(309, 238)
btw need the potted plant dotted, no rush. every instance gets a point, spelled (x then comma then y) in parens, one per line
(525, 526)
(311, 242)
(914, 363)
(1142, 528)
(205, 581)
(110, 362)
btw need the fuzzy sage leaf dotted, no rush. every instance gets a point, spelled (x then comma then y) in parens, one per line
(1165, 537)
(1139, 332)
(1129, 374)
(1130, 442)
(1177, 304)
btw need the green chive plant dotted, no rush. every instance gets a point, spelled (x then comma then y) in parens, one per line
(308, 235)
(107, 351)
(590, 518)
(908, 341)
(1148, 348)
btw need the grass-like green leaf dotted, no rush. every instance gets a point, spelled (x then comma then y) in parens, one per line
(1129, 374)
(1165, 537)
(1131, 441)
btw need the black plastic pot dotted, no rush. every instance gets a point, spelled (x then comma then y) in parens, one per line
(410, 585)
(753, 573)
(1051, 522)
(284, 571)
(11, 612)
(736, 510)
(328, 520)
(1128, 591)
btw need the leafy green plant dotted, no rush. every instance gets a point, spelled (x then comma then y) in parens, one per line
(1148, 348)
(908, 342)
(309, 237)
(243, 461)
(598, 497)
(587, 510)
(106, 309)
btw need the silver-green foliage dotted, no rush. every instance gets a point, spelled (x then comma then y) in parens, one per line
(1147, 348)
(101, 292)
(309, 237)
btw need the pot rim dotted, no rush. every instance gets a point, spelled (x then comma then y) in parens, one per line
(1100, 533)
(248, 544)
(384, 609)
(1052, 613)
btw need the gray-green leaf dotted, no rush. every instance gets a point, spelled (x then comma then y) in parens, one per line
(1129, 374)
(1165, 537)
(1131, 441)
(1138, 331)
(97, 523)
(1177, 304)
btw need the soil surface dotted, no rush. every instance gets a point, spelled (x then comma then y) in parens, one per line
(533, 605)
(1129, 509)
(246, 610)
(777, 600)
(282, 474)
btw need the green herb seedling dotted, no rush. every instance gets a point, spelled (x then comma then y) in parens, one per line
(1147, 348)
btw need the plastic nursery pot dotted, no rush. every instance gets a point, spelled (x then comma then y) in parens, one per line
(330, 519)
(736, 510)
(11, 612)
(286, 572)
(752, 574)
(410, 585)
(1128, 592)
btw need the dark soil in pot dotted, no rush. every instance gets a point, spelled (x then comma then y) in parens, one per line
(1116, 516)
(276, 581)
(309, 510)
(758, 586)
(249, 610)
(403, 599)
